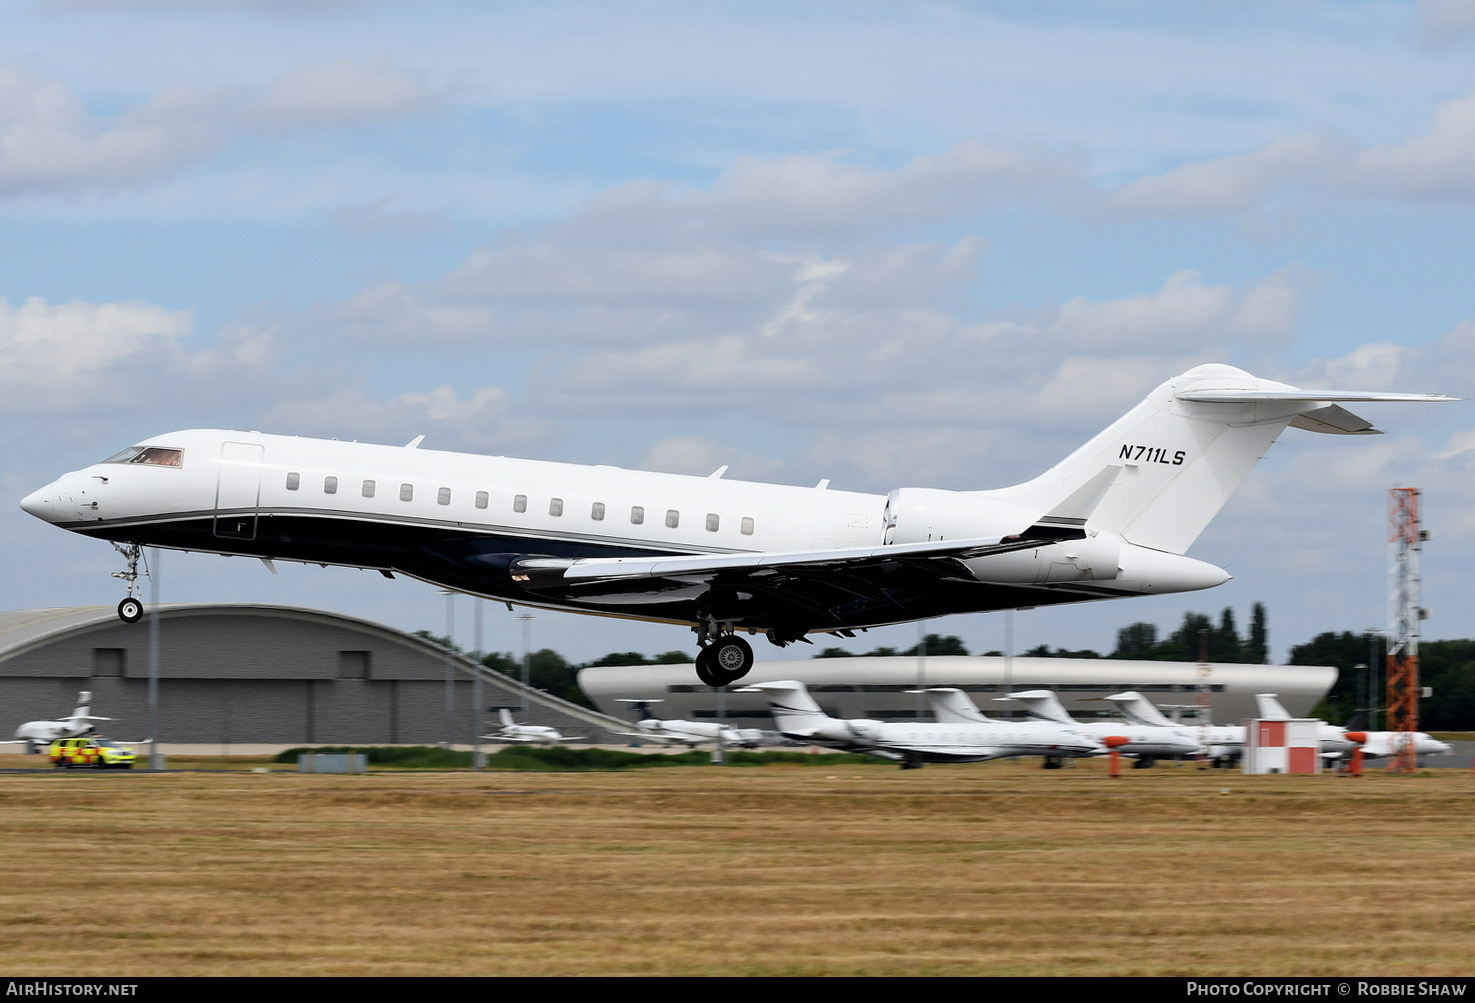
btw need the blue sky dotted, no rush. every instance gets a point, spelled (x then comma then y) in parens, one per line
(931, 244)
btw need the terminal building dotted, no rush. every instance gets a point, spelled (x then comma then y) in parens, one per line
(251, 674)
(884, 689)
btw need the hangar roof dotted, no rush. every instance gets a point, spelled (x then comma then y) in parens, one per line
(21, 630)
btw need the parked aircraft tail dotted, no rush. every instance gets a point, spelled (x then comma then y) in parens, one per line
(794, 711)
(1179, 455)
(1041, 704)
(1138, 709)
(952, 706)
(1270, 709)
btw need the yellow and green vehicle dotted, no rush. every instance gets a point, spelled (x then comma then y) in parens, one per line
(92, 751)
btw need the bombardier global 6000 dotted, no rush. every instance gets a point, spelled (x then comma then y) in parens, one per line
(725, 557)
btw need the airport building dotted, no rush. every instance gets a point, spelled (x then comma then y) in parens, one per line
(252, 674)
(274, 675)
(884, 689)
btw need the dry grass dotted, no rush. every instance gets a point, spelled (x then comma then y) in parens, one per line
(991, 869)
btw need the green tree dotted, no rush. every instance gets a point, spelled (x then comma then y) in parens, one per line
(1257, 651)
(937, 644)
(1136, 641)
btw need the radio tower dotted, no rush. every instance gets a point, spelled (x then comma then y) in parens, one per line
(1406, 537)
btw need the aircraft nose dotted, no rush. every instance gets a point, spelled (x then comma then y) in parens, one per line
(52, 503)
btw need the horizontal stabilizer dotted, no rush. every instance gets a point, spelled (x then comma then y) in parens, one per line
(1236, 396)
(1334, 420)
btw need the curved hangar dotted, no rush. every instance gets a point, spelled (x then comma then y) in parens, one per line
(251, 674)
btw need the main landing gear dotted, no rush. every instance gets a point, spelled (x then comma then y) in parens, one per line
(723, 660)
(130, 610)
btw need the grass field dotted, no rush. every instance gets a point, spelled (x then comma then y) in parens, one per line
(988, 869)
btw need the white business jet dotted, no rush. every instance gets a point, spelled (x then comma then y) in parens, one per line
(530, 734)
(38, 733)
(800, 718)
(689, 733)
(1376, 744)
(1145, 743)
(725, 557)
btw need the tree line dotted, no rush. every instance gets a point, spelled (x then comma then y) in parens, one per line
(1447, 666)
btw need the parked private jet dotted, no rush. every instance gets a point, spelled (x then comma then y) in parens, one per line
(725, 557)
(799, 717)
(1375, 745)
(689, 733)
(39, 733)
(1145, 743)
(528, 734)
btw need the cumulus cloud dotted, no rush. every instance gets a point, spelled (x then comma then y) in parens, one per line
(69, 356)
(50, 142)
(1435, 165)
(482, 420)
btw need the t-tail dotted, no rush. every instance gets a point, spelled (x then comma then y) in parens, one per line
(1138, 709)
(794, 711)
(1159, 474)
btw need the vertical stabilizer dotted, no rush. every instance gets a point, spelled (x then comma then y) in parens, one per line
(1139, 710)
(794, 710)
(1041, 704)
(1184, 450)
(952, 706)
(1270, 708)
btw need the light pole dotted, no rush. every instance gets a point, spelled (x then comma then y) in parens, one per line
(527, 661)
(478, 758)
(156, 758)
(450, 667)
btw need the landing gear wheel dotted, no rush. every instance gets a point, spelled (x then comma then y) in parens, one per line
(731, 656)
(705, 671)
(130, 610)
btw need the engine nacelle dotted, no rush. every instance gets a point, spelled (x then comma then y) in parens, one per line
(920, 515)
(1094, 559)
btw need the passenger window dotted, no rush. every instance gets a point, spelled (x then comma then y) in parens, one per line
(637, 514)
(596, 511)
(673, 518)
(294, 481)
(368, 489)
(520, 503)
(746, 528)
(407, 492)
(711, 522)
(330, 485)
(481, 499)
(555, 506)
(443, 496)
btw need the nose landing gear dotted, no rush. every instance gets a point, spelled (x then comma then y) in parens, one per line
(130, 610)
(724, 660)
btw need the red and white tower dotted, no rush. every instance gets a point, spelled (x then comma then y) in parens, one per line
(1406, 537)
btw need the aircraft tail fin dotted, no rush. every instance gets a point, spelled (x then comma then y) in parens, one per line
(952, 706)
(1161, 472)
(794, 710)
(1270, 708)
(1139, 710)
(505, 716)
(1041, 704)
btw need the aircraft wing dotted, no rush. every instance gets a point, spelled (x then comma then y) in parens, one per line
(790, 593)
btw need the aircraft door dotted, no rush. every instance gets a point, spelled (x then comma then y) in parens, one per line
(238, 490)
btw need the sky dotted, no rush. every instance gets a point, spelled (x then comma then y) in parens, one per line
(924, 244)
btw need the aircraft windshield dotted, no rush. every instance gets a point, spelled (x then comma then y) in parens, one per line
(158, 456)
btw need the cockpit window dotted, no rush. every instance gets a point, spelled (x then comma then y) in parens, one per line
(158, 456)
